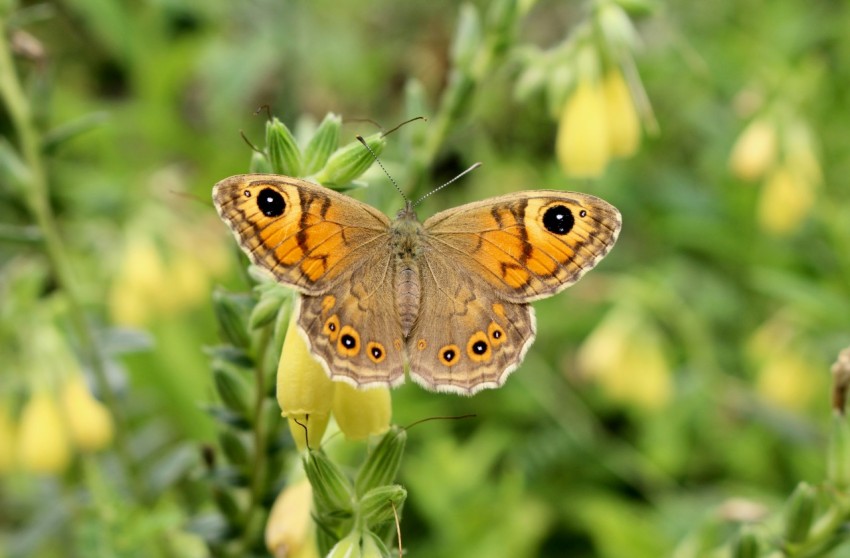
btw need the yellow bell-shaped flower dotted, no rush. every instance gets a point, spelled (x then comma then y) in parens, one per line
(304, 391)
(89, 421)
(362, 413)
(288, 529)
(582, 144)
(622, 117)
(43, 444)
(755, 151)
(786, 199)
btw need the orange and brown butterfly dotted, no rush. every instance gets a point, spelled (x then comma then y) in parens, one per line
(448, 297)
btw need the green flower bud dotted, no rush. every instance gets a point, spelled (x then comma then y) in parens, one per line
(838, 459)
(266, 309)
(746, 545)
(348, 547)
(373, 547)
(231, 311)
(376, 506)
(259, 164)
(322, 144)
(229, 507)
(332, 491)
(350, 161)
(284, 155)
(617, 28)
(382, 464)
(799, 513)
(234, 391)
(234, 447)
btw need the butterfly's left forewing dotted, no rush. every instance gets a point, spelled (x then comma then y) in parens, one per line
(305, 235)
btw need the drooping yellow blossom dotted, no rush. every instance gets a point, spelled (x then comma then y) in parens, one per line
(622, 117)
(800, 152)
(789, 380)
(141, 276)
(288, 533)
(362, 413)
(157, 277)
(582, 144)
(755, 152)
(7, 440)
(785, 375)
(43, 444)
(786, 199)
(304, 391)
(89, 421)
(625, 357)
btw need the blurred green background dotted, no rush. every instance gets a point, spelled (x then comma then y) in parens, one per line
(680, 389)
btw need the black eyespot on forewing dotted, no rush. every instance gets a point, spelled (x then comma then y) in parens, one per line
(271, 203)
(558, 219)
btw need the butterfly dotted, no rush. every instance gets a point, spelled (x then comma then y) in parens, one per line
(448, 297)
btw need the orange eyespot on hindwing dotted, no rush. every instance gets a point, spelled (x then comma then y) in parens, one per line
(348, 343)
(449, 355)
(478, 347)
(397, 344)
(331, 327)
(421, 344)
(376, 352)
(496, 334)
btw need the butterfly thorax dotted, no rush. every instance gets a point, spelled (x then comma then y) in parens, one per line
(406, 235)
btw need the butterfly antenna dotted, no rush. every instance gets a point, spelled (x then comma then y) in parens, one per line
(435, 190)
(361, 140)
(414, 119)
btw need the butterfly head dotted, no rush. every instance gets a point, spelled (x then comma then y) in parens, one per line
(407, 214)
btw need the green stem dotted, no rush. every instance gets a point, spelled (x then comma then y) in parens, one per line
(259, 471)
(463, 82)
(36, 196)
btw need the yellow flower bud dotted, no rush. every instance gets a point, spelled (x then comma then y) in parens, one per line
(625, 356)
(288, 526)
(307, 428)
(786, 200)
(141, 276)
(304, 390)
(754, 153)
(788, 380)
(582, 143)
(7, 441)
(362, 413)
(348, 547)
(800, 153)
(89, 421)
(622, 117)
(43, 445)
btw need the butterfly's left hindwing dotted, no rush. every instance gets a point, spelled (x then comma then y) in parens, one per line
(354, 328)
(307, 236)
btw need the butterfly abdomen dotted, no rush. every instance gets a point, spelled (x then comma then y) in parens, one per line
(408, 296)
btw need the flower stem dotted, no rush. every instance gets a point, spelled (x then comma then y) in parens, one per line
(36, 197)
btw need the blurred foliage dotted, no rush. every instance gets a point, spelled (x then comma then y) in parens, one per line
(677, 393)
